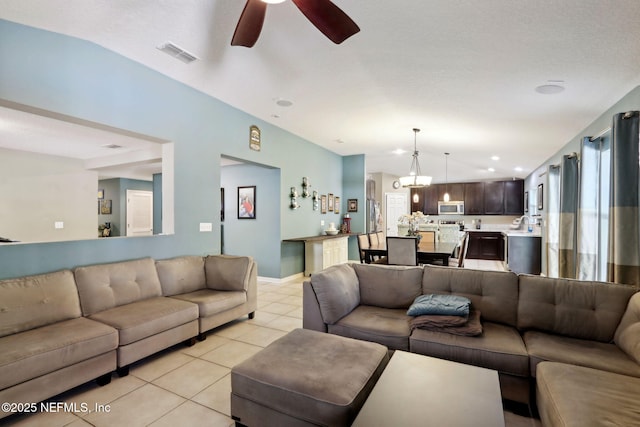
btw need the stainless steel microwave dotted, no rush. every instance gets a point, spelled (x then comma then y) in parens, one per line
(451, 208)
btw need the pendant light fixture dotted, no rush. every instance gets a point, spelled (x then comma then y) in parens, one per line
(415, 179)
(446, 177)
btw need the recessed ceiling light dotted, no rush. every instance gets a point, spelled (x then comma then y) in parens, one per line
(551, 88)
(517, 169)
(495, 158)
(273, 1)
(284, 103)
(399, 151)
(491, 170)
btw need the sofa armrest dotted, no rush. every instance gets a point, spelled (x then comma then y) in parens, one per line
(252, 288)
(311, 316)
(230, 273)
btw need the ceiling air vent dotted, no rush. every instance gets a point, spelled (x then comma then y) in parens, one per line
(177, 52)
(112, 146)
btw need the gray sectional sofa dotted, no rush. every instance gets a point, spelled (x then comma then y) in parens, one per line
(62, 329)
(527, 320)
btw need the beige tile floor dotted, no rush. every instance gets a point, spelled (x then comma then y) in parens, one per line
(190, 386)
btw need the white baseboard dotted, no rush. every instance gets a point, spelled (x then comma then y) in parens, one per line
(280, 280)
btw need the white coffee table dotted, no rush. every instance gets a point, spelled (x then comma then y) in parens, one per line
(416, 390)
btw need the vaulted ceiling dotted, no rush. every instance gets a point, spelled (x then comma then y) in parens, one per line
(462, 71)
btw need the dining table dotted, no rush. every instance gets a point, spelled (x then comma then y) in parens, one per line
(428, 252)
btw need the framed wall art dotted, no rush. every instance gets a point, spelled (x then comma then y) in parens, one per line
(104, 207)
(255, 142)
(336, 204)
(323, 204)
(330, 202)
(352, 205)
(247, 202)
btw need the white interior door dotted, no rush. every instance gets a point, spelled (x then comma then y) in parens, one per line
(396, 207)
(139, 213)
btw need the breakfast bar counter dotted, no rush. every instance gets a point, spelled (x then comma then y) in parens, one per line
(323, 251)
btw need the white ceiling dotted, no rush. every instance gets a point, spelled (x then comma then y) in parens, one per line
(462, 71)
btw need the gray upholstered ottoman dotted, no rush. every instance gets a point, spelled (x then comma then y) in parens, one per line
(306, 378)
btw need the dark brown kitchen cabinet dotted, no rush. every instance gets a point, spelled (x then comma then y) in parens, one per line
(486, 245)
(474, 198)
(456, 191)
(514, 197)
(480, 198)
(427, 200)
(430, 205)
(494, 198)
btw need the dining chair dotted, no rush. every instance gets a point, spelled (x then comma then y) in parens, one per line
(462, 253)
(402, 251)
(427, 238)
(363, 243)
(373, 239)
(380, 235)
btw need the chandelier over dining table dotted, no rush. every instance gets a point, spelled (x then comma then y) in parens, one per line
(415, 179)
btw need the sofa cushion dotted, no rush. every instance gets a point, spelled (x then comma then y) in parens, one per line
(575, 396)
(549, 347)
(500, 347)
(388, 286)
(106, 286)
(574, 308)
(145, 318)
(386, 326)
(493, 293)
(337, 291)
(32, 301)
(181, 275)
(212, 302)
(228, 272)
(36, 352)
(627, 336)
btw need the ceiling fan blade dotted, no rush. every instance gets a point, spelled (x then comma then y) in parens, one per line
(328, 18)
(249, 24)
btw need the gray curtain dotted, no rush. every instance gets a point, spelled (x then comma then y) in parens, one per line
(569, 193)
(624, 222)
(553, 219)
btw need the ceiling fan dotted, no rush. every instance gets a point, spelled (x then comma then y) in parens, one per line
(326, 16)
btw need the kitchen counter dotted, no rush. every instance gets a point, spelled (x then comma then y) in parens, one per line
(323, 251)
(320, 237)
(522, 233)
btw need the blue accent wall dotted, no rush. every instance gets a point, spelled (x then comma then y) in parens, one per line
(259, 237)
(81, 79)
(353, 187)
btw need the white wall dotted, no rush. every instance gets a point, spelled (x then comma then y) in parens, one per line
(38, 190)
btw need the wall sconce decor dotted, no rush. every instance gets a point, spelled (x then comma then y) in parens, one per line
(315, 200)
(294, 195)
(305, 187)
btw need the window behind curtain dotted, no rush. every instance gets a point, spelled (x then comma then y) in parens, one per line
(593, 212)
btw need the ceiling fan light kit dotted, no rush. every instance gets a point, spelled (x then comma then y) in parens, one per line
(415, 179)
(326, 16)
